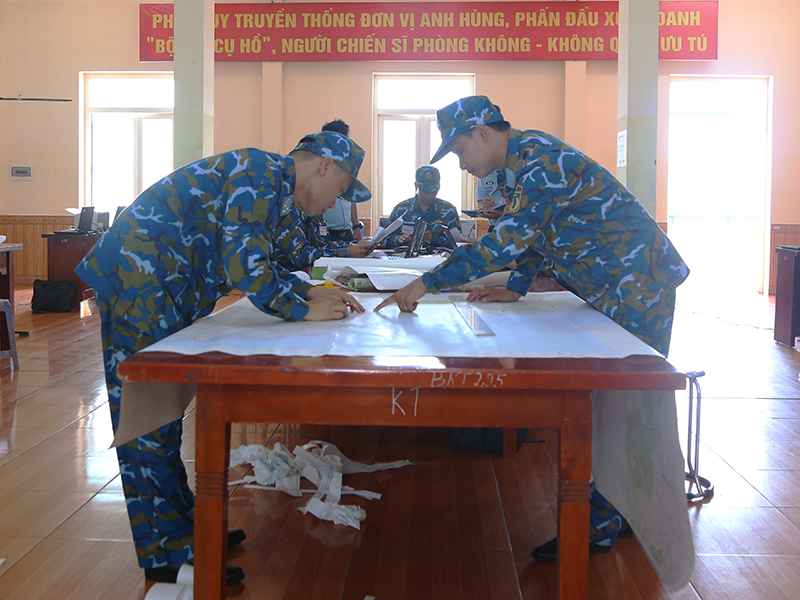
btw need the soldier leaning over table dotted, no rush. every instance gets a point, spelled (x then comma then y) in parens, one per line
(202, 231)
(567, 218)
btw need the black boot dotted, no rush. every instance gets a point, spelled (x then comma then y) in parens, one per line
(169, 573)
(548, 552)
(235, 537)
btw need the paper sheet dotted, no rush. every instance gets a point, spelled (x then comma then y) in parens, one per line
(170, 591)
(381, 233)
(387, 278)
(382, 278)
(638, 466)
(421, 263)
(546, 325)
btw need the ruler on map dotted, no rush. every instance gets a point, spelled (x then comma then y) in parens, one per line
(473, 319)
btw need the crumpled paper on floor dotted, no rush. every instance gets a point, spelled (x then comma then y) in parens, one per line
(319, 462)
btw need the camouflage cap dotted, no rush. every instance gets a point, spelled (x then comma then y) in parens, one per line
(427, 179)
(461, 116)
(345, 153)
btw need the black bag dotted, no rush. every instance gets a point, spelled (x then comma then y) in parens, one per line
(480, 439)
(51, 296)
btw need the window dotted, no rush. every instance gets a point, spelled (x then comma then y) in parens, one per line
(127, 136)
(719, 180)
(407, 136)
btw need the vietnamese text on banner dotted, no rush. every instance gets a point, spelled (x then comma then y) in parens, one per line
(431, 31)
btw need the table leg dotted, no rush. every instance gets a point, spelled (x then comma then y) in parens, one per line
(575, 462)
(213, 435)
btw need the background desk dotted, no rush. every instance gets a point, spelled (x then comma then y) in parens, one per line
(414, 391)
(64, 252)
(787, 296)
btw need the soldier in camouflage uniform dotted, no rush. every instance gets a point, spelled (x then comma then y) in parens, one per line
(437, 213)
(568, 218)
(202, 231)
(308, 235)
(301, 238)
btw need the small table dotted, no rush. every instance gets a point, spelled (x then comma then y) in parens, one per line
(7, 284)
(551, 393)
(787, 296)
(64, 252)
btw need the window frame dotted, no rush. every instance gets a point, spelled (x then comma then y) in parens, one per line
(85, 142)
(423, 117)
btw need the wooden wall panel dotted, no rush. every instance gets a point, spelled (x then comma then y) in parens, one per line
(31, 262)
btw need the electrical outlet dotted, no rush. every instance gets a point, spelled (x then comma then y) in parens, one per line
(21, 172)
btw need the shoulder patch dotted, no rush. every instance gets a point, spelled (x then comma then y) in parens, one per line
(515, 202)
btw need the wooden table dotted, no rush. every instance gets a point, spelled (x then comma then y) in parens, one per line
(410, 391)
(7, 285)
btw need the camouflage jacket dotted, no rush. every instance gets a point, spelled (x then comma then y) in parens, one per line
(191, 238)
(440, 215)
(301, 241)
(569, 217)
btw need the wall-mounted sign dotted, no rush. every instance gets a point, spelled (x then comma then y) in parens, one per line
(622, 148)
(431, 31)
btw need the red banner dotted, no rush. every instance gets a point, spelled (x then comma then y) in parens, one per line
(431, 31)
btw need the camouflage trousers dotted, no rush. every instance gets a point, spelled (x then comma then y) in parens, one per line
(159, 501)
(605, 521)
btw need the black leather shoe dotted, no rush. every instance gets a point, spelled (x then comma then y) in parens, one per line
(235, 537)
(169, 574)
(548, 552)
(625, 529)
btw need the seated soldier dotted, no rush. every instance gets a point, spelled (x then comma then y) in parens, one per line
(438, 214)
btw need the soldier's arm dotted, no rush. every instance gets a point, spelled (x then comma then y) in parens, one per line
(510, 241)
(524, 272)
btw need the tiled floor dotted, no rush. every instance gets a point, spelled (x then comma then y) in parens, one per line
(455, 526)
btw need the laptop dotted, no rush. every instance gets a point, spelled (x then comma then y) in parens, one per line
(85, 222)
(451, 241)
(415, 244)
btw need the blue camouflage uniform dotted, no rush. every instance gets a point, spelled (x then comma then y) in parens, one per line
(202, 231)
(568, 218)
(440, 215)
(301, 237)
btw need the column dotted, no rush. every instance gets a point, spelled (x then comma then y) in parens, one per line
(637, 99)
(194, 80)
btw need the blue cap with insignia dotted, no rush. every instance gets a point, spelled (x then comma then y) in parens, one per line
(461, 116)
(345, 153)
